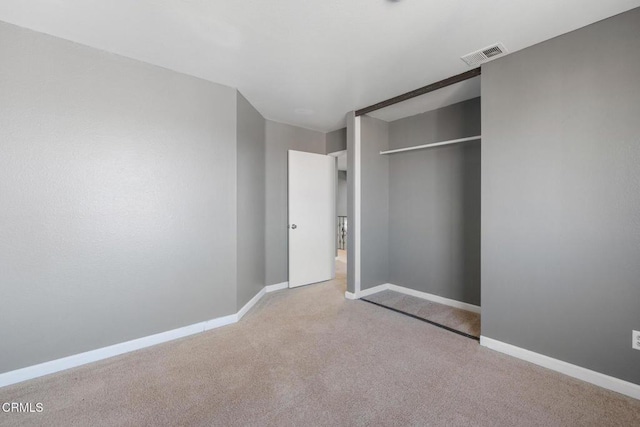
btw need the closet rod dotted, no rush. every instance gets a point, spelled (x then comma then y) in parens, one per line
(433, 144)
(421, 91)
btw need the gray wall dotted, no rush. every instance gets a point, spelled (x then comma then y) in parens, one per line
(561, 197)
(336, 141)
(374, 203)
(280, 138)
(118, 190)
(251, 202)
(434, 203)
(341, 199)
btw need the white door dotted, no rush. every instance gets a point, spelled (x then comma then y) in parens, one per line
(311, 218)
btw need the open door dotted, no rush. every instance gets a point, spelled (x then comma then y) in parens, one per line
(311, 218)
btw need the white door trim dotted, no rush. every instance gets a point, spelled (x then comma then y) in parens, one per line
(357, 183)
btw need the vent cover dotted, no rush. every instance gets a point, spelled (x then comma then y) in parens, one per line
(485, 54)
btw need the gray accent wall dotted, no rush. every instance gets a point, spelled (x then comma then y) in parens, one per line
(280, 138)
(251, 202)
(117, 199)
(561, 197)
(336, 141)
(374, 203)
(434, 203)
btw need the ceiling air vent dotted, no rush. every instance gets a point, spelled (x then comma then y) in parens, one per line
(485, 54)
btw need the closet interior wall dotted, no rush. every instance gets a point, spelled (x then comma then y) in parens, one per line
(434, 203)
(374, 214)
(421, 209)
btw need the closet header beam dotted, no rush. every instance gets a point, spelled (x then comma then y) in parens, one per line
(421, 91)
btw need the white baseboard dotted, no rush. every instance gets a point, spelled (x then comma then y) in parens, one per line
(435, 298)
(584, 374)
(414, 293)
(251, 303)
(277, 287)
(46, 368)
(366, 292)
(350, 295)
(220, 321)
(80, 359)
(374, 290)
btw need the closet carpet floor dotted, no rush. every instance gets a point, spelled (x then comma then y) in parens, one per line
(307, 357)
(455, 318)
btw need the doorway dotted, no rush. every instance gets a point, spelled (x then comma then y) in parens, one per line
(318, 221)
(311, 210)
(342, 219)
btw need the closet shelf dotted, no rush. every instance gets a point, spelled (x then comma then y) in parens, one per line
(433, 144)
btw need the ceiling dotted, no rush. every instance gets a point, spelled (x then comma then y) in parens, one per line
(308, 62)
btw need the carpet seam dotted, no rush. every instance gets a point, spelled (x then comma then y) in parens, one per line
(431, 322)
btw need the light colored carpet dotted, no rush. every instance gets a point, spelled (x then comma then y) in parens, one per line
(455, 318)
(307, 356)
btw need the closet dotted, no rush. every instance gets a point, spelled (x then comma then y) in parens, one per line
(420, 205)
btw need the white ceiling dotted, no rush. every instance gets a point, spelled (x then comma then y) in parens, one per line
(308, 62)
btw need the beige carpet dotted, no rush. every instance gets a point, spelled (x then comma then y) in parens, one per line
(454, 318)
(309, 357)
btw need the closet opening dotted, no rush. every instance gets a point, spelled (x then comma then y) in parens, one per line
(420, 204)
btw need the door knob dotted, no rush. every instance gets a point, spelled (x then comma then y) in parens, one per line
(293, 226)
